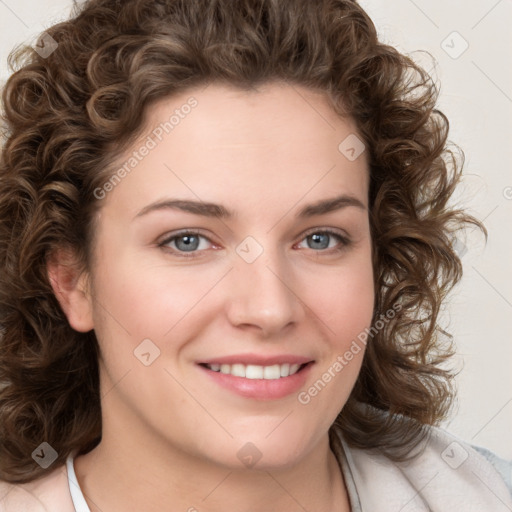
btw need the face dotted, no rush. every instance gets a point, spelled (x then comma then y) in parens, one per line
(232, 271)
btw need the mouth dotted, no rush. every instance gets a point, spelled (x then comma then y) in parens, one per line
(259, 378)
(253, 371)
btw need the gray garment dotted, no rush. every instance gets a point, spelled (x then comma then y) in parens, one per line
(433, 481)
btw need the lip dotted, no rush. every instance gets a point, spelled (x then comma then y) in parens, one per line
(259, 360)
(260, 389)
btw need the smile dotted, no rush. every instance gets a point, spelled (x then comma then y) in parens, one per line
(260, 378)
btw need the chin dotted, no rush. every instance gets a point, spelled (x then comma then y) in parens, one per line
(258, 452)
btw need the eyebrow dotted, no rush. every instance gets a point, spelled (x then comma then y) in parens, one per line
(219, 211)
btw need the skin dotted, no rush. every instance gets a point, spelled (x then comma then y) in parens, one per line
(170, 434)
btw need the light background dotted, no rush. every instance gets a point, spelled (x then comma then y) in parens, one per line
(476, 95)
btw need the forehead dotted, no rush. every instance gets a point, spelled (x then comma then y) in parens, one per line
(246, 148)
(226, 116)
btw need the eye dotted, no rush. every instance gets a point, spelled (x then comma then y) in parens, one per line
(185, 242)
(325, 239)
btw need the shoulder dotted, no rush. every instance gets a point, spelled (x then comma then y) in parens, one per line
(445, 475)
(47, 494)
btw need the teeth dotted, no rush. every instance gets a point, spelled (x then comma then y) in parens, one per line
(252, 371)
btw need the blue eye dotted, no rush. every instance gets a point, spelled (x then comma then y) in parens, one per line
(188, 242)
(321, 240)
(185, 242)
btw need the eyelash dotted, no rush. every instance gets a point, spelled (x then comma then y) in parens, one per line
(345, 242)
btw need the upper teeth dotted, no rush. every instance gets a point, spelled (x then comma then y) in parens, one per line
(251, 371)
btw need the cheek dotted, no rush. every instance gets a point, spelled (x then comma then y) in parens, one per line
(147, 300)
(345, 307)
(344, 300)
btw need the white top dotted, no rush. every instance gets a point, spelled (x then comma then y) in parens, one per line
(74, 487)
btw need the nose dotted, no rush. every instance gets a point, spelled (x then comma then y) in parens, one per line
(262, 295)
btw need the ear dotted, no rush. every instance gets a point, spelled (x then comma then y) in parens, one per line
(71, 287)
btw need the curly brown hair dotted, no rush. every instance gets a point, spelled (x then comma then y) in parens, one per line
(67, 116)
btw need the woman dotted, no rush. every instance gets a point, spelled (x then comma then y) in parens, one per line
(225, 239)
